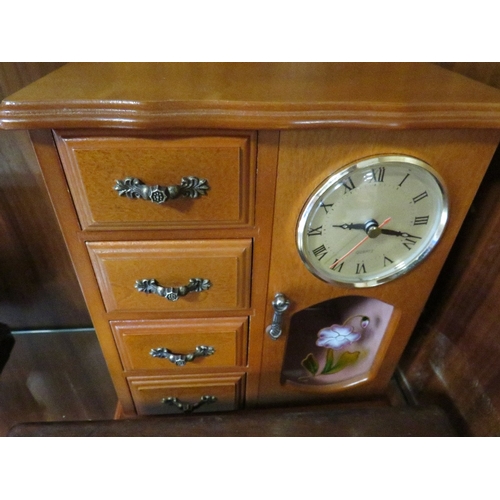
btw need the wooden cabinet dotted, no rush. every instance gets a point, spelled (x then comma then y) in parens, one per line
(199, 297)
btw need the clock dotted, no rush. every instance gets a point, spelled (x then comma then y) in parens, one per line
(372, 221)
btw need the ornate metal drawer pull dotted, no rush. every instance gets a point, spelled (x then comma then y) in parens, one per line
(181, 359)
(172, 293)
(280, 305)
(189, 407)
(190, 187)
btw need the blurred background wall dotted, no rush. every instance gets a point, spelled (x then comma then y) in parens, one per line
(38, 287)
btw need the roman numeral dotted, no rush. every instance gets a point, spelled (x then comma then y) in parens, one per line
(421, 196)
(336, 267)
(410, 241)
(325, 206)
(360, 268)
(320, 252)
(317, 231)
(377, 175)
(348, 185)
(404, 178)
(421, 220)
(387, 261)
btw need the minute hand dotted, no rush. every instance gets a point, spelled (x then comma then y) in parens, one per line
(391, 232)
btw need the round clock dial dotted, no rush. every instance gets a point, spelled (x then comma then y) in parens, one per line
(372, 221)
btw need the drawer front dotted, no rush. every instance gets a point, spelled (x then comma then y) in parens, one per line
(226, 264)
(177, 395)
(175, 345)
(93, 165)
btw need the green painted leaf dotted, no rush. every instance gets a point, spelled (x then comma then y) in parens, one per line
(345, 360)
(348, 358)
(310, 364)
(330, 363)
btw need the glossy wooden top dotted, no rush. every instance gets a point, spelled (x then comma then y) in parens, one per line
(252, 96)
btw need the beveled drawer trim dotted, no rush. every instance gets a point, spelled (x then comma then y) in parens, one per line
(118, 265)
(135, 339)
(93, 164)
(149, 393)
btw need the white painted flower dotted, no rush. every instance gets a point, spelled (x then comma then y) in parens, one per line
(337, 336)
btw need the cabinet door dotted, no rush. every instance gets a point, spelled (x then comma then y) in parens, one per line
(337, 342)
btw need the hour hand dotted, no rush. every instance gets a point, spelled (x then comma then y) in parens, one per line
(391, 232)
(350, 226)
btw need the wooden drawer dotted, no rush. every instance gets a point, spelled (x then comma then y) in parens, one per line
(136, 339)
(225, 263)
(224, 390)
(94, 164)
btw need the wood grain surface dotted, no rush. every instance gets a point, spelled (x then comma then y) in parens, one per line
(454, 154)
(452, 359)
(39, 288)
(94, 164)
(136, 339)
(453, 356)
(225, 263)
(252, 96)
(149, 392)
(311, 422)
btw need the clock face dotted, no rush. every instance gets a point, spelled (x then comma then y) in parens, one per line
(372, 221)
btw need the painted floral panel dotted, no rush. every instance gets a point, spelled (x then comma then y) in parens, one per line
(335, 341)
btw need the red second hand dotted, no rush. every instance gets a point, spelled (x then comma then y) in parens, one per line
(355, 247)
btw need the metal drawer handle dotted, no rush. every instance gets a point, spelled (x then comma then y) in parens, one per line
(190, 187)
(280, 305)
(189, 407)
(172, 293)
(181, 359)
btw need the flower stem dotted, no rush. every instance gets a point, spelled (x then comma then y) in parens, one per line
(352, 317)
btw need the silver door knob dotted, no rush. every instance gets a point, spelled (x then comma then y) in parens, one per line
(280, 305)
